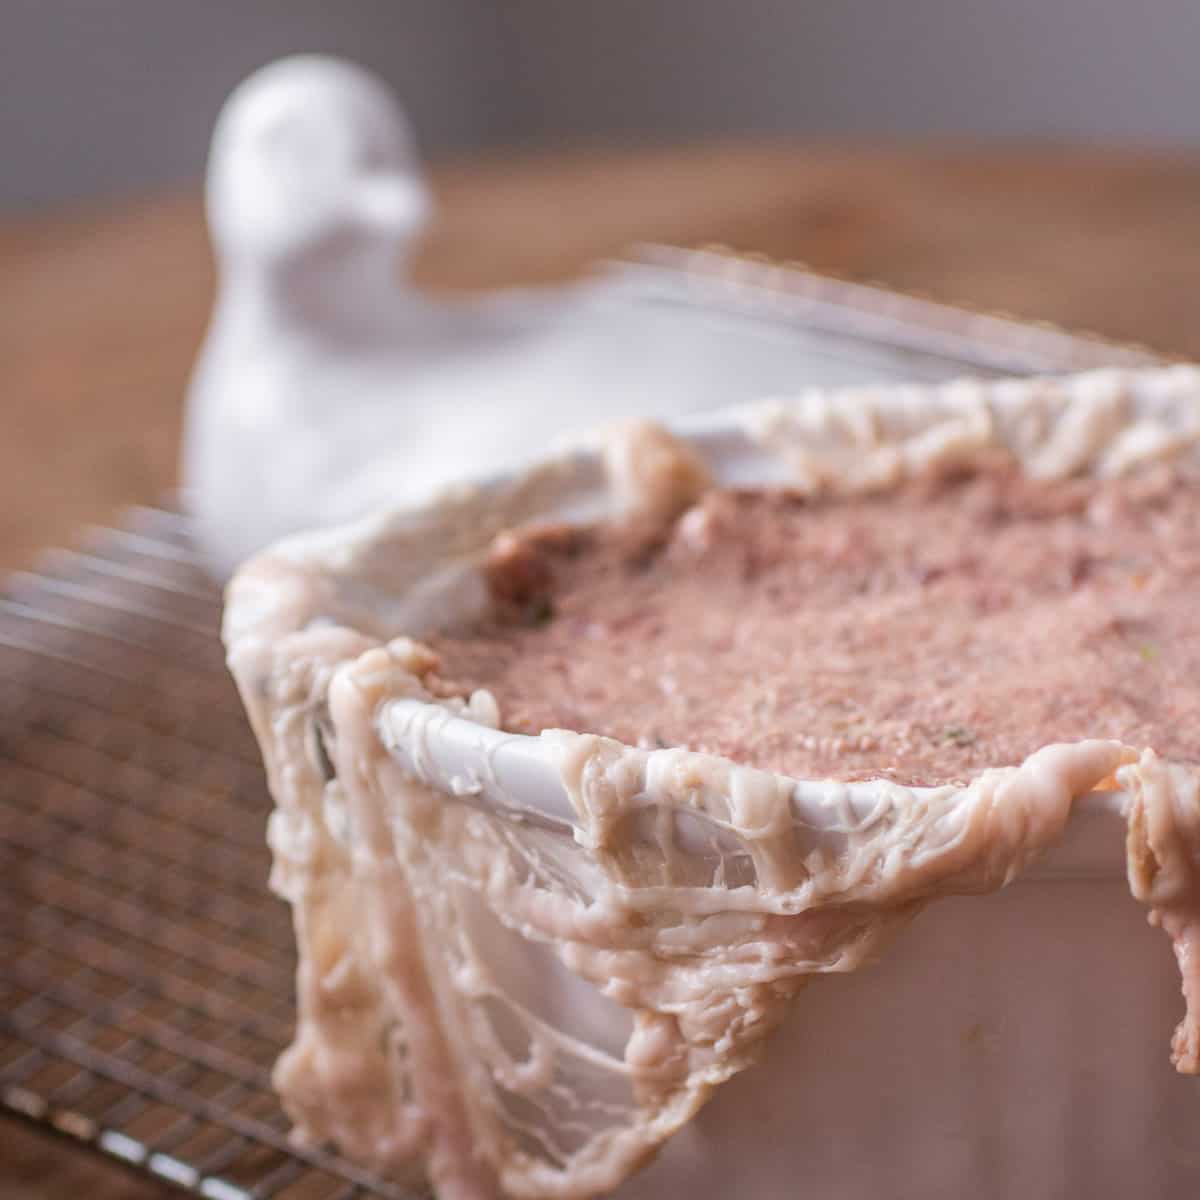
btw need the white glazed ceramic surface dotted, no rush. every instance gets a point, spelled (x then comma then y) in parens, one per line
(1008, 1045)
(1012, 1045)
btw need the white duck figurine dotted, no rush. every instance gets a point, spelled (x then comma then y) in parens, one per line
(326, 386)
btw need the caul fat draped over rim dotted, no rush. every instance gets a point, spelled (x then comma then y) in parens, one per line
(416, 1048)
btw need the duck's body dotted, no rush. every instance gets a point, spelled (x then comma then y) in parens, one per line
(326, 387)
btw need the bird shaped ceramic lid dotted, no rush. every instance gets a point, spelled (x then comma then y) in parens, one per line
(328, 385)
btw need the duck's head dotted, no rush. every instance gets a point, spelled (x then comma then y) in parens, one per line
(311, 157)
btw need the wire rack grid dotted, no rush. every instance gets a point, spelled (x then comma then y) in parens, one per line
(145, 970)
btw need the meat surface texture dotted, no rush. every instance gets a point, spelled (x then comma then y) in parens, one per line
(920, 635)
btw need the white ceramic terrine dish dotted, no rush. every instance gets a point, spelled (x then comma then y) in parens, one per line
(557, 966)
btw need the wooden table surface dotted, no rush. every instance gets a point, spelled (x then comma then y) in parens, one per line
(101, 312)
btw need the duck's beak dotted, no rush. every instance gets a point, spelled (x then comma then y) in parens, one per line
(395, 203)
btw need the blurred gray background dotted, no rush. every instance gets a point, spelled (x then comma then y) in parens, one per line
(102, 98)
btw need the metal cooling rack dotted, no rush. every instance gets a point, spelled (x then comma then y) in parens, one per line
(145, 970)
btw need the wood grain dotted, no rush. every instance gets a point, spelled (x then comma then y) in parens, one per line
(43, 1166)
(100, 313)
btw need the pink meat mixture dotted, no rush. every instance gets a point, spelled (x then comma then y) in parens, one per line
(918, 635)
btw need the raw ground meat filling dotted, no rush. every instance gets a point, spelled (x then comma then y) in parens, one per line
(920, 635)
